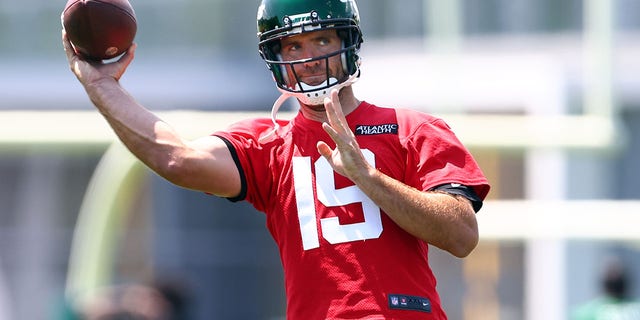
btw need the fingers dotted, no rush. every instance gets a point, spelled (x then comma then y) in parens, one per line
(336, 126)
(335, 136)
(127, 57)
(330, 107)
(334, 112)
(66, 44)
(72, 54)
(117, 69)
(333, 120)
(335, 99)
(324, 149)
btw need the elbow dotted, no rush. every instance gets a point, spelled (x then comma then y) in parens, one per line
(463, 248)
(465, 242)
(459, 245)
(467, 237)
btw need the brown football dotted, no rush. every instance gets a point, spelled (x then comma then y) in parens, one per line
(99, 29)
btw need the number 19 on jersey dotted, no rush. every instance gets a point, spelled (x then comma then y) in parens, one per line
(329, 196)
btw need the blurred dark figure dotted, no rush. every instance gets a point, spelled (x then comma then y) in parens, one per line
(158, 300)
(615, 302)
(615, 281)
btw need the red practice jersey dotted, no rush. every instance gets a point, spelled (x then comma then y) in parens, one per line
(343, 257)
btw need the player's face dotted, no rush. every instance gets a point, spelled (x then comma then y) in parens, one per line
(311, 45)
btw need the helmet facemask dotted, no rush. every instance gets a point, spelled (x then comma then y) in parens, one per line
(289, 83)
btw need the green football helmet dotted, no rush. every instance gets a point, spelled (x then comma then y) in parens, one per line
(281, 18)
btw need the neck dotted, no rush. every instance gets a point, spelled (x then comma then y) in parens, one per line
(348, 101)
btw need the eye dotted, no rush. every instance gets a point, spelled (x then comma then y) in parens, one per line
(323, 41)
(294, 47)
(289, 49)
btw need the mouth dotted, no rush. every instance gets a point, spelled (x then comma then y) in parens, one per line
(313, 80)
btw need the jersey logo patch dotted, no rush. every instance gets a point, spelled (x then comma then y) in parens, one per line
(404, 302)
(362, 130)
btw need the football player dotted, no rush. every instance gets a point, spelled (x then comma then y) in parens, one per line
(354, 193)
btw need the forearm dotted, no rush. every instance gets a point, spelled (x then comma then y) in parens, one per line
(149, 138)
(443, 220)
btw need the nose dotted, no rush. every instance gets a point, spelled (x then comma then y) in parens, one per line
(310, 53)
(312, 64)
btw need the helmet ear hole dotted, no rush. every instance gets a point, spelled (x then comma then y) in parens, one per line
(283, 71)
(345, 61)
(270, 51)
(350, 37)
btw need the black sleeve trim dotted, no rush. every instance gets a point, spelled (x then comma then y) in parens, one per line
(461, 190)
(243, 178)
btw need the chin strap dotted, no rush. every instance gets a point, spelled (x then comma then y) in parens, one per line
(303, 98)
(274, 110)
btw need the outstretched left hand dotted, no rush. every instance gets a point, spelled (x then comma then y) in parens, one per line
(347, 158)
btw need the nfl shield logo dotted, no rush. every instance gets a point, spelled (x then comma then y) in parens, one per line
(394, 301)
